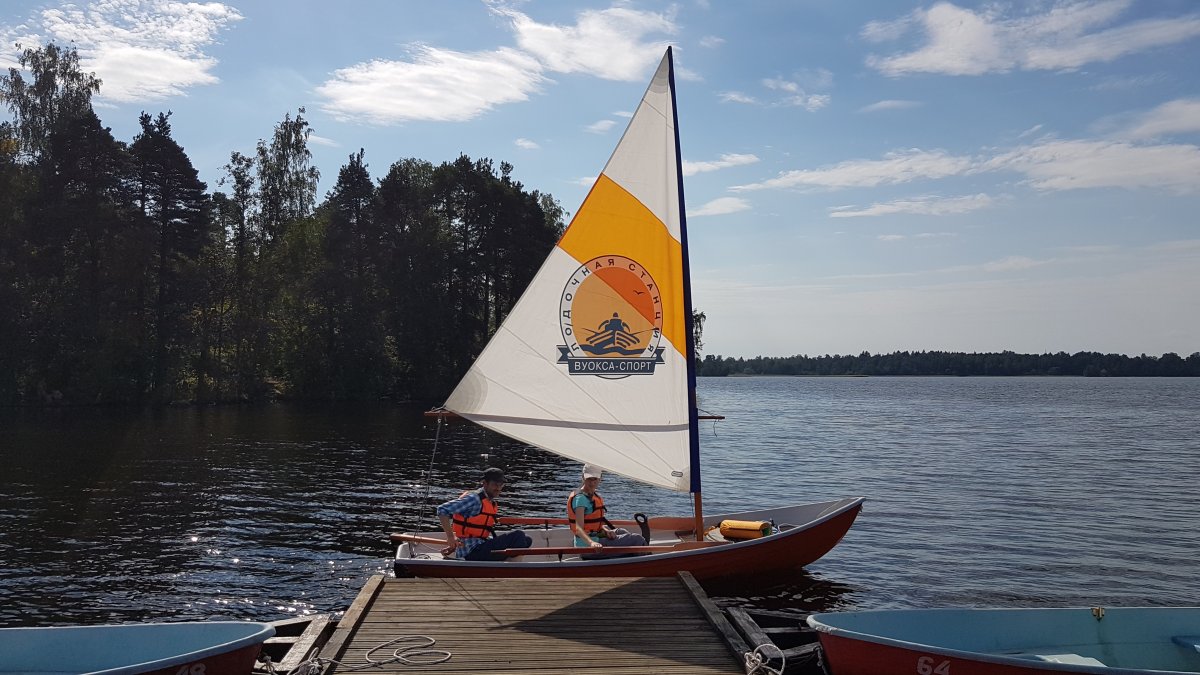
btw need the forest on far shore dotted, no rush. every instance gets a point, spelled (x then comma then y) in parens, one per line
(124, 280)
(1083, 364)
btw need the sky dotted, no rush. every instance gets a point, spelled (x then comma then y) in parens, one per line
(859, 176)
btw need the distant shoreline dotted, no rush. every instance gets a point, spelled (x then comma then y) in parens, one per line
(956, 364)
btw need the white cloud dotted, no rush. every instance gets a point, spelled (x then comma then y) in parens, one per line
(721, 206)
(726, 161)
(919, 235)
(711, 41)
(1071, 165)
(1048, 164)
(895, 167)
(1066, 36)
(609, 43)
(810, 102)
(890, 104)
(1014, 263)
(960, 42)
(1091, 249)
(1030, 131)
(928, 206)
(795, 94)
(1173, 117)
(781, 84)
(603, 126)
(1175, 246)
(736, 97)
(321, 140)
(142, 51)
(435, 85)
(886, 31)
(1131, 82)
(526, 144)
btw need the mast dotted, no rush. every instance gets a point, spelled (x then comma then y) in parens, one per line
(689, 335)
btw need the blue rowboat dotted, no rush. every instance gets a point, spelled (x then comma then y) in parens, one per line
(189, 648)
(1112, 641)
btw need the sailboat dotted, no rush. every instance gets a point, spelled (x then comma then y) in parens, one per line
(596, 363)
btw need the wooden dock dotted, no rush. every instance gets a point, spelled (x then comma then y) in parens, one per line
(541, 626)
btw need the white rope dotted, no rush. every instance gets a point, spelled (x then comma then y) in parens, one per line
(756, 661)
(417, 654)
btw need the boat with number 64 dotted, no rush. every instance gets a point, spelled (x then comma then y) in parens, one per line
(1110, 641)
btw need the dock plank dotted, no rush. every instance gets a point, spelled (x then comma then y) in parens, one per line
(536, 626)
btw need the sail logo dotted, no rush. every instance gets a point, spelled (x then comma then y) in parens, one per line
(611, 317)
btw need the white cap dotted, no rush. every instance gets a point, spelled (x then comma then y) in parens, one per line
(591, 471)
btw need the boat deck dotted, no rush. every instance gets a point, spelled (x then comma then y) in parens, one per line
(498, 626)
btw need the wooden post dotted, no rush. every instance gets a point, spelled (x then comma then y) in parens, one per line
(698, 508)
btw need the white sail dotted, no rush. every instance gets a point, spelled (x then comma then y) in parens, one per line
(591, 363)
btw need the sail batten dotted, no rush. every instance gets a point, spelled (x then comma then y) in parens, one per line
(592, 361)
(575, 424)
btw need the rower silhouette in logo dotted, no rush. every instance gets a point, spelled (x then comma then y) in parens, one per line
(613, 337)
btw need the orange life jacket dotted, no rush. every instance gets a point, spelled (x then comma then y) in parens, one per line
(592, 522)
(481, 526)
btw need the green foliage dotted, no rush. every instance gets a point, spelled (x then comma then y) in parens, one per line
(122, 281)
(1088, 364)
(175, 210)
(58, 95)
(698, 319)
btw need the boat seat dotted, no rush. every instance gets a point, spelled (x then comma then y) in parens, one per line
(1187, 641)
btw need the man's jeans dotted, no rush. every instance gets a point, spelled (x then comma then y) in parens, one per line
(514, 539)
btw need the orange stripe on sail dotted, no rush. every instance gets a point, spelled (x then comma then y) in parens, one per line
(628, 289)
(613, 222)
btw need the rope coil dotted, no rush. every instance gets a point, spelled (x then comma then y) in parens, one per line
(416, 654)
(757, 661)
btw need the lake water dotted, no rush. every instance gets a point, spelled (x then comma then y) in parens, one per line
(981, 492)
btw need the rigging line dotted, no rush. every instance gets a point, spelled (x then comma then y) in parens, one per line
(715, 419)
(429, 474)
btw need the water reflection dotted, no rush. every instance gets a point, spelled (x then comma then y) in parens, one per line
(981, 492)
(797, 591)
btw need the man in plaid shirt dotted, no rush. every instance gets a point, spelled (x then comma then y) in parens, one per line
(469, 523)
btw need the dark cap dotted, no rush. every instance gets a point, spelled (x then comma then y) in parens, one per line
(493, 474)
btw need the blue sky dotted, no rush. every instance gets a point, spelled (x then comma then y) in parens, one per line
(859, 176)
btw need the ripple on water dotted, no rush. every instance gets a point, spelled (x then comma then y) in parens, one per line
(981, 492)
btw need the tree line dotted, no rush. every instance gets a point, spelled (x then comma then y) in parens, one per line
(1085, 364)
(124, 280)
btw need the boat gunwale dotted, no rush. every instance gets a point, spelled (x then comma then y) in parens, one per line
(849, 504)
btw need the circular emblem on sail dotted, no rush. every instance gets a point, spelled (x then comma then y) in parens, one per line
(611, 318)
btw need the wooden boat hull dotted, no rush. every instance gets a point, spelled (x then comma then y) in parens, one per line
(1011, 641)
(796, 547)
(188, 648)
